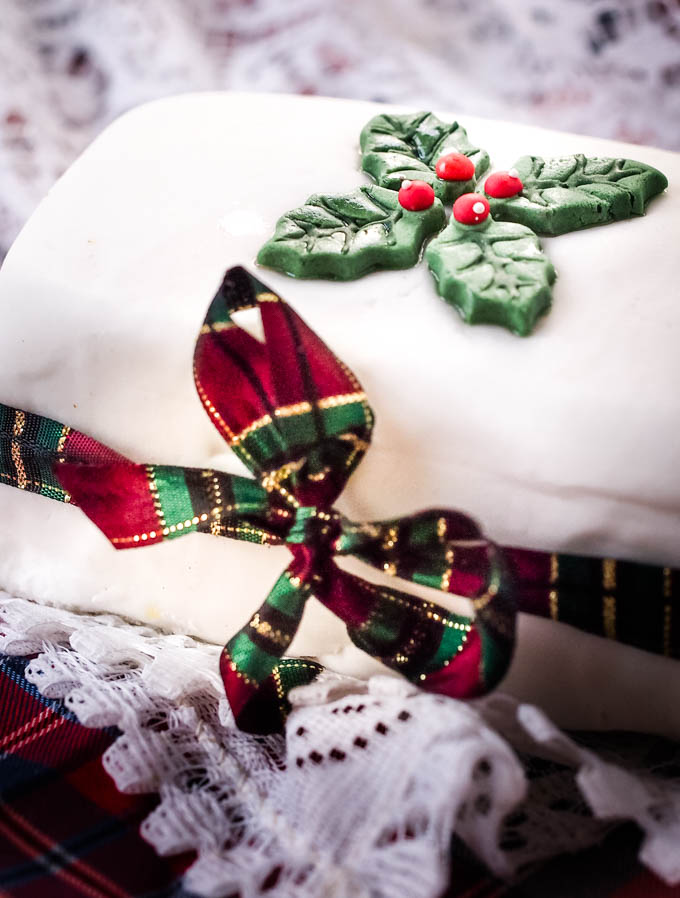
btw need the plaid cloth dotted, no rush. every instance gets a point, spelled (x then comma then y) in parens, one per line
(65, 831)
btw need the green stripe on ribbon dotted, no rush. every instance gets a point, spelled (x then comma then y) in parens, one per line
(294, 672)
(262, 444)
(250, 659)
(288, 598)
(50, 488)
(423, 532)
(49, 433)
(451, 641)
(300, 430)
(431, 579)
(249, 496)
(175, 499)
(342, 418)
(382, 628)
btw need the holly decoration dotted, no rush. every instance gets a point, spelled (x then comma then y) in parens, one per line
(345, 236)
(415, 195)
(488, 262)
(502, 184)
(471, 208)
(455, 167)
(561, 195)
(399, 147)
(493, 272)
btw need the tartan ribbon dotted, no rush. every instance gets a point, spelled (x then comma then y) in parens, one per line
(300, 421)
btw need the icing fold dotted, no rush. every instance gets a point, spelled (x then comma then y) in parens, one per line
(395, 147)
(346, 236)
(572, 192)
(493, 272)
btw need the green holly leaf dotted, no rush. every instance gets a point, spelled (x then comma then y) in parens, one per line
(406, 147)
(494, 273)
(572, 192)
(345, 236)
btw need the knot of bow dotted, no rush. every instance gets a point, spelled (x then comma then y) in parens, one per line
(299, 420)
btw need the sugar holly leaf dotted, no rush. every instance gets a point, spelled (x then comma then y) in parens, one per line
(343, 237)
(561, 195)
(398, 147)
(494, 273)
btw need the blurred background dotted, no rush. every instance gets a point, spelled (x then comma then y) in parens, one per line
(68, 67)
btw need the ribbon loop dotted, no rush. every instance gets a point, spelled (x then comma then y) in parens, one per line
(292, 412)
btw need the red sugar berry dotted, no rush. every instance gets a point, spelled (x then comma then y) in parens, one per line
(502, 184)
(455, 167)
(470, 208)
(415, 195)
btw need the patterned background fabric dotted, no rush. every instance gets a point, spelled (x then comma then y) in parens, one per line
(68, 67)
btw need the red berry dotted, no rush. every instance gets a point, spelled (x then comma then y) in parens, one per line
(470, 208)
(502, 184)
(415, 195)
(454, 167)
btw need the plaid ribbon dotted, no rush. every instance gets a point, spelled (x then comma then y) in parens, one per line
(299, 420)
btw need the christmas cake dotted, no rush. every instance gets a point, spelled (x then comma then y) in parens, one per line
(565, 441)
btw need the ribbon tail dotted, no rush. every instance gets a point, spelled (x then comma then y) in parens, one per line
(33, 446)
(633, 603)
(256, 679)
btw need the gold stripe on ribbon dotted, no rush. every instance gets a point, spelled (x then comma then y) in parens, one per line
(296, 408)
(19, 423)
(15, 449)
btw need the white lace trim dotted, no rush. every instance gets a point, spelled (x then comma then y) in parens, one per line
(361, 796)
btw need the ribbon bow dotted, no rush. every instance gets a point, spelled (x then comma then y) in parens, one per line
(299, 420)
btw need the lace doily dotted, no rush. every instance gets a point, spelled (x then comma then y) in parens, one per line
(362, 794)
(68, 67)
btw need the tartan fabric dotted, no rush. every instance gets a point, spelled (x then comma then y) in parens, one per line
(65, 830)
(300, 421)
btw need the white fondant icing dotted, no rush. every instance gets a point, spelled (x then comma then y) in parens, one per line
(568, 440)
